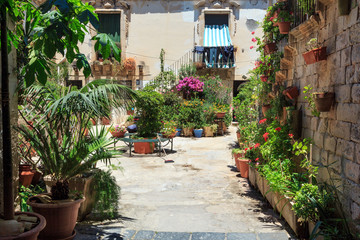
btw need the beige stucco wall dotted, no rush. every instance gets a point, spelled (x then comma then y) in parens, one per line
(177, 26)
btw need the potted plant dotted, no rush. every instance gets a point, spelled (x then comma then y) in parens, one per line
(291, 92)
(315, 52)
(284, 20)
(106, 67)
(64, 155)
(129, 120)
(238, 153)
(148, 106)
(117, 131)
(210, 129)
(105, 121)
(220, 110)
(169, 129)
(324, 101)
(97, 67)
(129, 65)
(188, 129)
(310, 98)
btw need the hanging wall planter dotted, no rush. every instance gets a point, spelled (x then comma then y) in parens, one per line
(324, 101)
(291, 92)
(270, 48)
(284, 27)
(344, 7)
(315, 55)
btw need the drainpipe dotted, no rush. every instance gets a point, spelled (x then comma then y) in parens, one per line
(5, 108)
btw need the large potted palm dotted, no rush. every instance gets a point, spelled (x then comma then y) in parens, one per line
(64, 154)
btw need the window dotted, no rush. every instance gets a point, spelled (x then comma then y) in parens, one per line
(110, 24)
(217, 19)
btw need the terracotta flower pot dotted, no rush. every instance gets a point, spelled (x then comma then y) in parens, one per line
(105, 121)
(220, 114)
(33, 233)
(172, 135)
(270, 48)
(238, 135)
(265, 108)
(144, 147)
(284, 27)
(244, 167)
(324, 101)
(25, 175)
(264, 78)
(315, 55)
(60, 218)
(291, 92)
(130, 112)
(118, 134)
(36, 178)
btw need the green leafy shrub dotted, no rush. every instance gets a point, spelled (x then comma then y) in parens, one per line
(107, 194)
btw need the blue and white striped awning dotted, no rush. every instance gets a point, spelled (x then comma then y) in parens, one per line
(216, 36)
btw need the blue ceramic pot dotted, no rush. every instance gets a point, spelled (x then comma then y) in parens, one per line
(178, 132)
(198, 133)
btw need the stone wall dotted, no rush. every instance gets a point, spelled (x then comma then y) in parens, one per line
(336, 133)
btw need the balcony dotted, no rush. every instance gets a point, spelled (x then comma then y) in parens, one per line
(302, 10)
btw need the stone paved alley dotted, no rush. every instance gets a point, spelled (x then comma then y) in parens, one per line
(199, 195)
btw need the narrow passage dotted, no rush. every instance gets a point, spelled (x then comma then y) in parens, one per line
(198, 196)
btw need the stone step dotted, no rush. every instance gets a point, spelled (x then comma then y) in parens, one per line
(120, 234)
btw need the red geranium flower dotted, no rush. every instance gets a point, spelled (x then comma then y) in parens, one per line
(266, 136)
(291, 135)
(250, 148)
(246, 149)
(262, 121)
(254, 39)
(278, 129)
(257, 145)
(251, 47)
(257, 159)
(252, 33)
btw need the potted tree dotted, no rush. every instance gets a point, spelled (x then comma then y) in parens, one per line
(148, 106)
(315, 52)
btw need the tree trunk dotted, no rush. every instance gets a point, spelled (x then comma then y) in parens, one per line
(5, 108)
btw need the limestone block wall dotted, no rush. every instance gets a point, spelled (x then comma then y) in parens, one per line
(336, 134)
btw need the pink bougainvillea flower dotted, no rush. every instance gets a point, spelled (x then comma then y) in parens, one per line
(251, 47)
(262, 121)
(257, 163)
(257, 159)
(266, 136)
(257, 145)
(278, 129)
(253, 39)
(252, 33)
(291, 135)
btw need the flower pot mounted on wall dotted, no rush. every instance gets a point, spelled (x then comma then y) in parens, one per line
(270, 48)
(315, 55)
(284, 27)
(291, 92)
(324, 101)
(265, 108)
(344, 7)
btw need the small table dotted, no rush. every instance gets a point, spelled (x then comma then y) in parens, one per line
(220, 123)
(129, 141)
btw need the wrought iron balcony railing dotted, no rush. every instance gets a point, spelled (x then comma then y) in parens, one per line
(302, 10)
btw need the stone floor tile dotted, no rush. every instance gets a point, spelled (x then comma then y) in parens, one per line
(241, 236)
(172, 236)
(207, 236)
(273, 236)
(144, 235)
